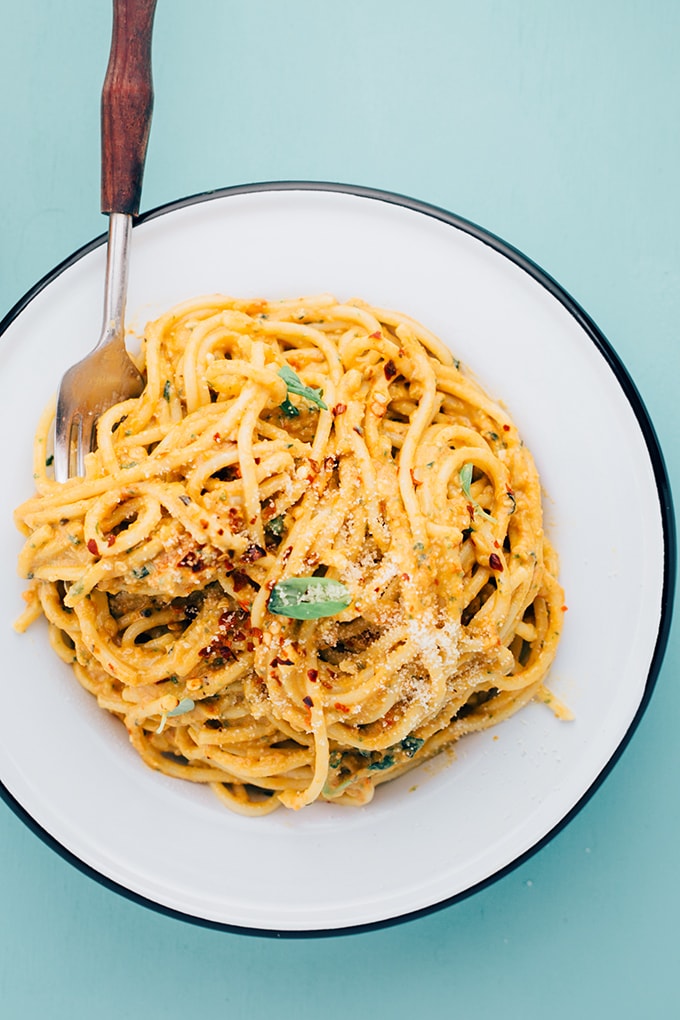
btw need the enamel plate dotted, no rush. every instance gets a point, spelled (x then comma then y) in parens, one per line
(444, 830)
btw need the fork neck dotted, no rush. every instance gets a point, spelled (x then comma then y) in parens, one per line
(117, 259)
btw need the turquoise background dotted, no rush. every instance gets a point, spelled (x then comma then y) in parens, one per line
(554, 125)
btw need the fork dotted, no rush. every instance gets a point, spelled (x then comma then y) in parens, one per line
(108, 375)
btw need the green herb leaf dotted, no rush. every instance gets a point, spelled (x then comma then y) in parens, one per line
(289, 409)
(166, 390)
(295, 385)
(275, 526)
(185, 705)
(308, 598)
(140, 572)
(466, 479)
(384, 763)
(411, 744)
(465, 476)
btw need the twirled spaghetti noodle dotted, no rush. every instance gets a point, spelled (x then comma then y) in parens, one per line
(307, 558)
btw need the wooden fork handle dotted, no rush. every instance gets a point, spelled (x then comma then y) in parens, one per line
(127, 102)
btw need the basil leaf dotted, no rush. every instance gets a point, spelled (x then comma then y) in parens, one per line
(185, 705)
(465, 476)
(308, 598)
(296, 385)
(466, 479)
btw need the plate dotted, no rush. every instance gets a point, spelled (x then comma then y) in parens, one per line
(445, 830)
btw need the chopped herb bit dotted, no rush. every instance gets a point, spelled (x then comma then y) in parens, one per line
(295, 385)
(140, 572)
(411, 744)
(166, 390)
(308, 598)
(185, 499)
(275, 526)
(290, 410)
(49, 461)
(384, 763)
(74, 540)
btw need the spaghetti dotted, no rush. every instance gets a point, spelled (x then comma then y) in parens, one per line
(306, 559)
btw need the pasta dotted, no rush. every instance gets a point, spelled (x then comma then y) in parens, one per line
(307, 558)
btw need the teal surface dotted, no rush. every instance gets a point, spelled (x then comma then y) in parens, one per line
(554, 125)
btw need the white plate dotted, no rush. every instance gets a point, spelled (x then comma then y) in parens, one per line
(67, 767)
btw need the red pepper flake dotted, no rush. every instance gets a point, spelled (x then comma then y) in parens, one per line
(252, 553)
(376, 336)
(312, 675)
(217, 437)
(340, 707)
(192, 560)
(235, 519)
(92, 546)
(220, 531)
(390, 369)
(495, 562)
(471, 511)
(339, 409)
(276, 661)
(230, 619)
(416, 481)
(308, 701)
(268, 509)
(497, 544)
(506, 428)
(565, 609)
(110, 539)
(330, 463)
(240, 580)
(405, 577)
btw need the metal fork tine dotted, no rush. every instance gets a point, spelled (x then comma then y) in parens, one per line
(108, 375)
